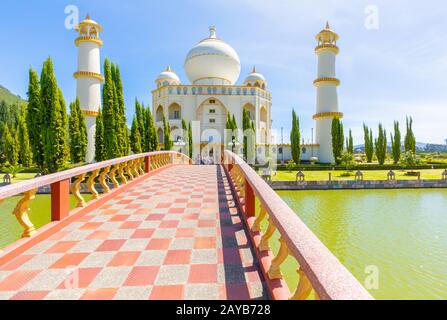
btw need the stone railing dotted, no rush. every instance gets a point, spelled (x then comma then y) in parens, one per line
(319, 270)
(119, 171)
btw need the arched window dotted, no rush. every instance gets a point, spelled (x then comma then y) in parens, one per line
(159, 114)
(175, 112)
(263, 114)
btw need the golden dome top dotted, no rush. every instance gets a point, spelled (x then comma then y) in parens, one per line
(327, 35)
(88, 22)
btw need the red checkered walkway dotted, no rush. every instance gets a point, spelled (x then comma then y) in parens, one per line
(175, 235)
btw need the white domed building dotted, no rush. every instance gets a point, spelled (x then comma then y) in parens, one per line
(213, 68)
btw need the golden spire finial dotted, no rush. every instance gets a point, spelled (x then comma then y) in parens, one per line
(327, 25)
(213, 32)
(254, 69)
(87, 17)
(168, 68)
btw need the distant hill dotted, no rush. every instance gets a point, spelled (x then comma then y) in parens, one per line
(420, 147)
(9, 97)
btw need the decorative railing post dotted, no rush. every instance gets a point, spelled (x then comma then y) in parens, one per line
(102, 180)
(112, 175)
(91, 184)
(76, 190)
(21, 213)
(60, 200)
(304, 287)
(257, 224)
(275, 268)
(147, 164)
(249, 200)
(121, 173)
(264, 244)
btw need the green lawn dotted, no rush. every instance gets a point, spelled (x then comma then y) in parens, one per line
(367, 174)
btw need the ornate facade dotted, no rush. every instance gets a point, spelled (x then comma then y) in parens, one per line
(213, 67)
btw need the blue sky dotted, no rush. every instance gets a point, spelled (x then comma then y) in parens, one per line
(388, 72)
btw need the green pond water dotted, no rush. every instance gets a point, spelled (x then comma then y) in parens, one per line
(402, 233)
(39, 214)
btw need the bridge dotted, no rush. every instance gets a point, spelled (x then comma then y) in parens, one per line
(158, 227)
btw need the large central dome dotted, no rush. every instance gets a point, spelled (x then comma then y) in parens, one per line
(213, 62)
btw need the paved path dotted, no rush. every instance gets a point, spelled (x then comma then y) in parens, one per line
(175, 235)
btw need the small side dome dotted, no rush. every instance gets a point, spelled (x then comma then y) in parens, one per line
(255, 79)
(168, 77)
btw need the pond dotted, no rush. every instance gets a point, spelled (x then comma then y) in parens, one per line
(400, 233)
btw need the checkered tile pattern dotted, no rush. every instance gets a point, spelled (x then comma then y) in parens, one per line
(175, 235)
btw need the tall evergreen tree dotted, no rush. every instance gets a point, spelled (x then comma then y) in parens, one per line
(350, 143)
(34, 119)
(78, 133)
(54, 121)
(10, 146)
(295, 138)
(139, 113)
(100, 152)
(369, 148)
(190, 142)
(410, 139)
(168, 143)
(381, 145)
(109, 135)
(249, 146)
(338, 139)
(185, 136)
(25, 153)
(151, 132)
(135, 137)
(120, 117)
(396, 143)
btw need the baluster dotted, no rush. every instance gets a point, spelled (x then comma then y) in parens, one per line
(76, 190)
(154, 162)
(257, 225)
(91, 184)
(113, 177)
(264, 244)
(141, 166)
(102, 180)
(121, 173)
(129, 165)
(304, 287)
(135, 168)
(21, 213)
(275, 268)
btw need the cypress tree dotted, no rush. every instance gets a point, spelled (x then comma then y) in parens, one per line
(25, 153)
(139, 112)
(34, 119)
(78, 133)
(410, 139)
(108, 117)
(350, 143)
(185, 136)
(54, 121)
(396, 144)
(295, 138)
(100, 153)
(190, 140)
(135, 137)
(337, 139)
(381, 145)
(10, 145)
(151, 139)
(120, 116)
(167, 135)
(369, 147)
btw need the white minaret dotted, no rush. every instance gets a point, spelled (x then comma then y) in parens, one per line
(89, 77)
(327, 98)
